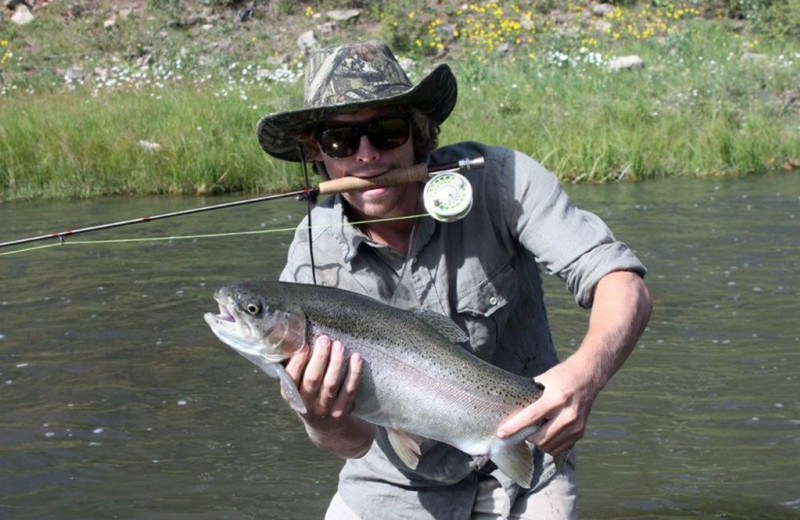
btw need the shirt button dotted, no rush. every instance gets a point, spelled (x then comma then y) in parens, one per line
(493, 300)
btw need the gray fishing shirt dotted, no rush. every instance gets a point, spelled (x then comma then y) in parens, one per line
(484, 272)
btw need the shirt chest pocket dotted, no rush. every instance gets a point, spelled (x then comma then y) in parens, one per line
(482, 305)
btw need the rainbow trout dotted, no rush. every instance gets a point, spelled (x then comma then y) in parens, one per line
(416, 382)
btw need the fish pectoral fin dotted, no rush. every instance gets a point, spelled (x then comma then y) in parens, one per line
(271, 369)
(516, 461)
(405, 445)
(287, 385)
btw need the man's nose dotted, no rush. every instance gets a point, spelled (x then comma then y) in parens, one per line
(366, 150)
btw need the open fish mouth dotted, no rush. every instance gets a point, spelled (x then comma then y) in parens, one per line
(226, 318)
(241, 335)
(236, 332)
(224, 314)
(222, 321)
(230, 330)
(225, 324)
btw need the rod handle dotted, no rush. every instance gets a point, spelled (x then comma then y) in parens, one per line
(416, 173)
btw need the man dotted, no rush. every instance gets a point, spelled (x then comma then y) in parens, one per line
(362, 117)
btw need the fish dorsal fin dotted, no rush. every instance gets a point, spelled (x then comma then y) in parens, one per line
(287, 384)
(442, 324)
(405, 445)
(516, 461)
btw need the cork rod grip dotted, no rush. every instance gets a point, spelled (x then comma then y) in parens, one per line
(416, 173)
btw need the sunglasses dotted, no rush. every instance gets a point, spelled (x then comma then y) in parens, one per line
(385, 134)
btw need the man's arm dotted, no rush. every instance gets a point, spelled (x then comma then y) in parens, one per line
(619, 314)
(328, 382)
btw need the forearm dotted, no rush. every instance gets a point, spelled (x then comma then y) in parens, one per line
(619, 315)
(348, 438)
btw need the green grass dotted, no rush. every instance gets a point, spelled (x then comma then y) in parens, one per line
(70, 145)
(709, 101)
(703, 111)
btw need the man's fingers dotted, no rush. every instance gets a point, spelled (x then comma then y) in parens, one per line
(296, 365)
(316, 367)
(331, 380)
(347, 393)
(531, 414)
(327, 379)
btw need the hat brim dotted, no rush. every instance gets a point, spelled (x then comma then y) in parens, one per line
(278, 133)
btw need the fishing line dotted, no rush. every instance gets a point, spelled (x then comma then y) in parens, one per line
(204, 235)
(448, 196)
(309, 204)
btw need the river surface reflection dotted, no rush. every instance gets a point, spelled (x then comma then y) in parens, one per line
(116, 401)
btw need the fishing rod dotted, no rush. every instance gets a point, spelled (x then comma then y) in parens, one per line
(416, 173)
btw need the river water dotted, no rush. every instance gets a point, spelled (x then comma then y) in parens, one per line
(116, 401)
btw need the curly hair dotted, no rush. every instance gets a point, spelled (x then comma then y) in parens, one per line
(425, 133)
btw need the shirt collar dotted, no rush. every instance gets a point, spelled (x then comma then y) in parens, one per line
(350, 237)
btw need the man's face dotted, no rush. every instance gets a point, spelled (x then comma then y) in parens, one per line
(370, 161)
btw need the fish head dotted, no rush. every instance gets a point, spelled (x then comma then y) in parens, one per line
(258, 326)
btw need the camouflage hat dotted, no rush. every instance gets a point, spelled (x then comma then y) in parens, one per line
(350, 78)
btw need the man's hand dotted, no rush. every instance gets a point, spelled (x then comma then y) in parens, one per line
(328, 382)
(563, 410)
(619, 314)
(326, 379)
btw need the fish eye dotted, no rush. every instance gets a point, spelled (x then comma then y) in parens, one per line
(253, 308)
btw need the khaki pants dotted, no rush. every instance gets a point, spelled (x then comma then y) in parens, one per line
(551, 500)
(556, 501)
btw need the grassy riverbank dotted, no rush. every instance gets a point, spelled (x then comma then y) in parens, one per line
(176, 114)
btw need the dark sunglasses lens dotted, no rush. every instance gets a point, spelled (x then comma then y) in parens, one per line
(340, 142)
(387, 134)
(384, 134)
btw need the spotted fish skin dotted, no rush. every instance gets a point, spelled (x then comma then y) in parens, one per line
(416, 380)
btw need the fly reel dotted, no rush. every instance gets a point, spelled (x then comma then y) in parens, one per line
(447, 196)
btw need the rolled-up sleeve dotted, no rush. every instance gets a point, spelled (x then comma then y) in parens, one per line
(573, 244)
